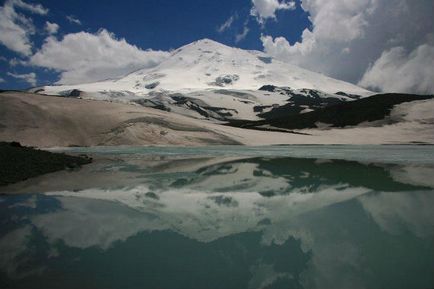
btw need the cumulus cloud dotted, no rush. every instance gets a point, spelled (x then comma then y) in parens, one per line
(51, 28)
(265, 9)
(85, 57)
(227, 24)
(27, 77)
(399, 71)
(73, 19)
(1, 80)
(353, 40)
(16, 28)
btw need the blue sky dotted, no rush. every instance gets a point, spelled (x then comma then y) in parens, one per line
(154, 24)
(165, 24)
(370, 43)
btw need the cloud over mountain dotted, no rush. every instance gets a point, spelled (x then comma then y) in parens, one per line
(266, 9)
(85, 57)
(358, 39)
(400, 71)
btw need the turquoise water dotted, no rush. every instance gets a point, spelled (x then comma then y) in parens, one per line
(225, 217)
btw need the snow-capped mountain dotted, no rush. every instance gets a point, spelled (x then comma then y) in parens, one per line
(212, 80)
(206, 64)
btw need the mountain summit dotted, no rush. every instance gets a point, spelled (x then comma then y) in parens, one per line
(207, 64)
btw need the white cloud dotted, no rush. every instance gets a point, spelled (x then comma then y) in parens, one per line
(34, 8)
(243, 34)
(73, 19)
(1, 80)
(51, 28)
(85, 57)
(398, 71)
(227, 24)
(16, 28)
(265, 9)
(348, 36)
(27, 77)
(15, 61)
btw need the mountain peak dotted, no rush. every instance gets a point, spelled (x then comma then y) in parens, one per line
(206, 43)
(206, 40)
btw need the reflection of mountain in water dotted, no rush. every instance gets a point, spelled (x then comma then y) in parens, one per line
(238, 223)
(275, 176)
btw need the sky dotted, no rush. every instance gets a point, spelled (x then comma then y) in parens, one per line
(383, 45)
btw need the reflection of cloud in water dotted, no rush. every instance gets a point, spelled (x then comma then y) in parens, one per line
(334, 265)
(414, 175)
(340, 211)
(86, 223)
(361, 240)
(264, 276)
(12, 245)
(331, 225)
(398, 212)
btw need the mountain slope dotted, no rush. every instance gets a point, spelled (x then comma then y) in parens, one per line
(64, 121)
(376, 108)
(46, 121)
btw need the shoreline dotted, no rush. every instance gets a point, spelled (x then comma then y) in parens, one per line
(19, 163)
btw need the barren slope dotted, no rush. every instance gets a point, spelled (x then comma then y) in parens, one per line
(47, 121)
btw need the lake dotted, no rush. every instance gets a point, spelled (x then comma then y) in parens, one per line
(225, 217)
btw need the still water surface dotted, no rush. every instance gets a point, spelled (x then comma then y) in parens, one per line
(225, 217)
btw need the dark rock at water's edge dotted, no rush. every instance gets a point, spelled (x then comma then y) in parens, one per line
(18, 163)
